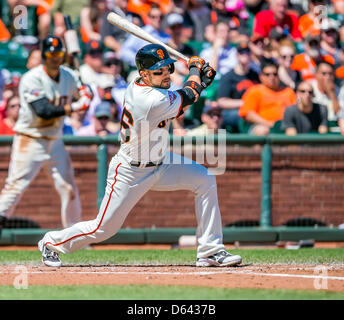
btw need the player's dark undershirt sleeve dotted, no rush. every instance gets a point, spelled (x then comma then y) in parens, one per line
(44, 109)
(188, 97)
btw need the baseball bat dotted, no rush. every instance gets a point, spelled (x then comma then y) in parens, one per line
(72, 42)
(135, 30)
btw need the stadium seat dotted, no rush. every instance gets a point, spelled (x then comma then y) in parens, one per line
(244, 126)
(304, 222)
(13, 56)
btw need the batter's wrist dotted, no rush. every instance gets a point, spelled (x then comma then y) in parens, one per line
(68, 109)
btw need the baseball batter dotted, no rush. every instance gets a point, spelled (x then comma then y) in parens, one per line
(46, 94)
(143, 163)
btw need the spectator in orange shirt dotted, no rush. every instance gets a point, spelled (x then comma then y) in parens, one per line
(277, 16)
(308, 23)
(307, 62)
(264, 104)
(12, 112)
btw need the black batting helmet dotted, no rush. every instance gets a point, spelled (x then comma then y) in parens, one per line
(52, 44)
(153, 57)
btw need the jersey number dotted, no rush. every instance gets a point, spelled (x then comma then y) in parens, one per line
(126, 121)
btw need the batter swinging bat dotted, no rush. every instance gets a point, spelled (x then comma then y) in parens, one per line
(132, 28)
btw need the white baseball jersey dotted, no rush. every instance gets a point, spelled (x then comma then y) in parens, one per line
(36, 84)
(38, 144)
(146, 116)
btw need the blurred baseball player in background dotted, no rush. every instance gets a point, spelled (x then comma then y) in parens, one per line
(46, 94)
(143, 164)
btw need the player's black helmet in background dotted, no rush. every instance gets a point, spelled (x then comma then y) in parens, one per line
(153, 57)
(52, 44)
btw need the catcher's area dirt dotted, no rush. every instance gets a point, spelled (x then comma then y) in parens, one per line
(306, 277)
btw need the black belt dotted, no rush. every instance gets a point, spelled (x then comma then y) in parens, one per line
(145, 165)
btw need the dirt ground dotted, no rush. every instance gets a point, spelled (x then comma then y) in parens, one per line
(306, 277)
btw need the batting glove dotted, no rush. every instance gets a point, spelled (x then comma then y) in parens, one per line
(195, 65)
(85, 90)
(82, 104)
(208, 74)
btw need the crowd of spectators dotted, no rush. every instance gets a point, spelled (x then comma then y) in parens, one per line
(280, 63)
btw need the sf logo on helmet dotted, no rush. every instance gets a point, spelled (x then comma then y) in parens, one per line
(160, 54)
(55, 42)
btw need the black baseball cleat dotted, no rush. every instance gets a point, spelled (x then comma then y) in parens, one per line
(49, 258)
(3, 220)
(219, 259)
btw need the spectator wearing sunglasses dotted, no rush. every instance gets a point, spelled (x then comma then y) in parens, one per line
(329, 44)
(288, 76)
(305, 116)
(11, 116)
(264, 104)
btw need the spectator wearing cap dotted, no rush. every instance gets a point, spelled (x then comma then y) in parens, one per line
(212, 120)
(305, 116)
(91, 70)
(132, 44)
(234, 84)
(328, 94)
(329, 44)
(264, 104)
(174, 27)
(221, 55)
(277, 16)
(308, 23)
(99, 125)
(11, 116)
(286, 53)
(307, 61)
(112, 36)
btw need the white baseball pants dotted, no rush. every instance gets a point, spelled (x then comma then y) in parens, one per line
(28, 156)
(125, 187)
